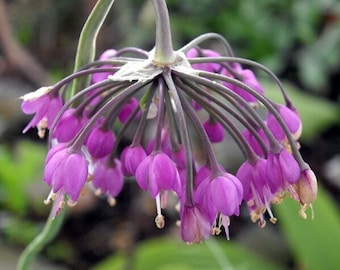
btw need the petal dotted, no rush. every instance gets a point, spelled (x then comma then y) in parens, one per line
(75, 172)
(142, 173)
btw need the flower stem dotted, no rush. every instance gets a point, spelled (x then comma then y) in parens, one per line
(87, 41)
(164, 54)
(50, 230)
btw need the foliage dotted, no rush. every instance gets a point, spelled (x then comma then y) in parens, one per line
(276, 33)
(166, 253)
(19, 168)
(315, 243)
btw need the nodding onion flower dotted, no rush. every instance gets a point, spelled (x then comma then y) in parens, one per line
(173, 101)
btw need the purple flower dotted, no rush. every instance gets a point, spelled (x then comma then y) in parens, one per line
(226, 194)
(158, 172)
(131, 158)
(247, 77)
(291, 119)
(100, 76)
(43, 104)
(214, 131)
(253, 142)
(282, 170)
(108, 178)
(253, 178)
(68, 126)
(100, 142)
(67, 171)
(127, 109)
(203, 197)
(210, 67)
(195, 225)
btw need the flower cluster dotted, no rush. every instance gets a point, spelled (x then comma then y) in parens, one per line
(172, 109)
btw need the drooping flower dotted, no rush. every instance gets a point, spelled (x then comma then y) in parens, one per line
(214, 131)
(282, 170)
(158, 172)
(291, 119)
(194, 225)
(132, 157)
(66, 170)
(101, 76)
(108, 178)
(68, 126)
(44, 104)
(100, 142)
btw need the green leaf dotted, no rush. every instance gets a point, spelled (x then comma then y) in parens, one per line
(166, 254)
(19, 168)
(315, 243)
(316, 113)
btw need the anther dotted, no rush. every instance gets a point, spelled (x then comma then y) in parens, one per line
(111, 200)
(160, 221)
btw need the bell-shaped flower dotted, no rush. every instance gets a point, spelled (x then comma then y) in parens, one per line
(248, 78)
(214, 131)
(203, 198)
(100, 142)
(282, 170)
(209, 66)
(43, 104)
(254, 143)
(195, 224)
(158, 172)
(66, 170)
(253, 178)
(68, 126)
(131, 158)
(100, 76)
(290, 118)
(108, 178)
(226, 194)
(127, 110)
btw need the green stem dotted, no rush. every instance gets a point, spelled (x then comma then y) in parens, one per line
(50, 230)
(87, 41)
(164, 54)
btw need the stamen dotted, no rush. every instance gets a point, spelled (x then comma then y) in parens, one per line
(272, 219)
(160, 221)
(112, 201)
(261, 223)
(42, 127)
(158, 205)
(50, 198)
(302, 211)
(70, 203)
(278, 198)
(98, 192)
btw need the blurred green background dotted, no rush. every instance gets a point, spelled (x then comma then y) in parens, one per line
(298, 40)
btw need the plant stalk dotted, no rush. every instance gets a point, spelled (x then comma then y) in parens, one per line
(164, 54)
